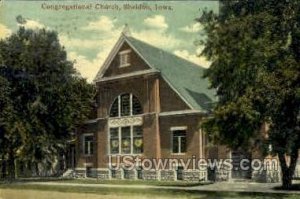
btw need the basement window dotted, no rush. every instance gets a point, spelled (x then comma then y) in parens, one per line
(124, 58)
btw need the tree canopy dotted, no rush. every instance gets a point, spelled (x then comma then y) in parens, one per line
(255, 53)
(42, 97)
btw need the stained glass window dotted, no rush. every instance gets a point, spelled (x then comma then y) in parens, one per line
(126, 140)
(125, 105)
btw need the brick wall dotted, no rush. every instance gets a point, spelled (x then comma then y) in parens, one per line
(137, 64)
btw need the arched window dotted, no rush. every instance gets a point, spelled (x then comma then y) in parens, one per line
(125, 105)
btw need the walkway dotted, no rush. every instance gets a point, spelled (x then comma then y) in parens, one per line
(220, 186)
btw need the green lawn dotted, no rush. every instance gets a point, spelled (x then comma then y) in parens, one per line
(114, 182)
(137, 182)
(145, 193)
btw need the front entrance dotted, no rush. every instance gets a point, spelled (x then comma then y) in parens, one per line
(70, 157)
(241, 165)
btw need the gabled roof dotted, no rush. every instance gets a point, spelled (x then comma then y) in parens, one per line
(184, 77)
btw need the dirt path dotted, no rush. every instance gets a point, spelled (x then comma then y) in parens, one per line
(220, 186)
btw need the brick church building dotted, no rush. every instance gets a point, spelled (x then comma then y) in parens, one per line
(150, 103)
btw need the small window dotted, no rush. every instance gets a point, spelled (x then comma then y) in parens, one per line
(113, 172)
(126, 173)
(125, 58)
(88, 172)
(179, 173)
(140, 172)
(88, 144)
(179, 141)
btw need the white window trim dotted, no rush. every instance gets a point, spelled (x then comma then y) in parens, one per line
(131, 136)
(119, 106)
(177, 128)
(124, 51)
(130, 105)
(83, 144)
(88, 164)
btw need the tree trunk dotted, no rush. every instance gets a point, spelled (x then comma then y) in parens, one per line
(3, 169)
(11, 166)
(288, 171)
(36, 168)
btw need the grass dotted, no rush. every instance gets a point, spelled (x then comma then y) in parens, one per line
(113, 182)
(22, 185)
(294, 187)
(138, 182)
(161, 193)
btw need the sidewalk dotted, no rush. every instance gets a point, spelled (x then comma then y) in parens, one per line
(216, 187)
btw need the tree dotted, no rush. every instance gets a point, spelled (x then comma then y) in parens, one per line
(44, 96)
(255, 54)
(7, 115)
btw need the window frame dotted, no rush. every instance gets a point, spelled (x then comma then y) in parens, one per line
(134, 137)
(120, 150)
(174, 129)
(118, 100)
(115, 138)
(90, 152)
(124, 58)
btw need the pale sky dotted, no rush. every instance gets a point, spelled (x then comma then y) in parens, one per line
(89, 35)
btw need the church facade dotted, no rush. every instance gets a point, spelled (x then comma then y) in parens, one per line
(150, 105)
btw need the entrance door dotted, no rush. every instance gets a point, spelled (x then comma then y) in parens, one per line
(241, 165)
(71, 157)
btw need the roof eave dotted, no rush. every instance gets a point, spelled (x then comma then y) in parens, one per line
(128, 75)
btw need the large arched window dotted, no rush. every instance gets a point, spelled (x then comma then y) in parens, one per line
(126, 134)
(125, 105)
